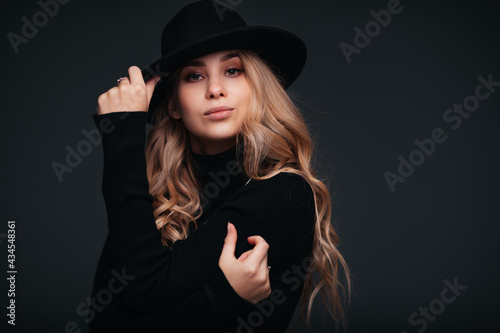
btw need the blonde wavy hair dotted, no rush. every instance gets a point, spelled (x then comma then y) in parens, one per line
(276, 140)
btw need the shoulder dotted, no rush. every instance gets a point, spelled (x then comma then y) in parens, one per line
(285, 190)
(296, 187)
(284, 209)
(281, 209)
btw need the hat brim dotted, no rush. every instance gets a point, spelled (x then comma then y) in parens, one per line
(285, 52)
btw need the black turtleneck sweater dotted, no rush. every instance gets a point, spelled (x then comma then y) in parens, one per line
(142, 286)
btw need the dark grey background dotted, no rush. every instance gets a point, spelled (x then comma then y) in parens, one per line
(441, 223)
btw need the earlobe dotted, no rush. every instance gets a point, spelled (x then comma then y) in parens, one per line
(172, 112)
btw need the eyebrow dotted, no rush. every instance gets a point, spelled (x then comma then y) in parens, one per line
(199, 63)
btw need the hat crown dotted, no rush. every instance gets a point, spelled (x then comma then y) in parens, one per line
(208, 26)
(196, 21)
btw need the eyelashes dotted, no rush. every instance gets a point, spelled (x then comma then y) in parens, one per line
(194, 77)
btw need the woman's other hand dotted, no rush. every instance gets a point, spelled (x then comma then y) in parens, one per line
(131, 94)
(248, 275)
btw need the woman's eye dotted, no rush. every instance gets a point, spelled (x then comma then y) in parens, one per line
(191, 76)
(234, 71)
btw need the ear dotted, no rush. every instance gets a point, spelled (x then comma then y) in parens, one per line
(172, 110)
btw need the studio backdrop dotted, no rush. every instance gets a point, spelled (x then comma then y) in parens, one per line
(401, 97)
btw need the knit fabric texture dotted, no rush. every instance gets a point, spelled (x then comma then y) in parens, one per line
(142, 286)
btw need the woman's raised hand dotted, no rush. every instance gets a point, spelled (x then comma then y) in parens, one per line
(248, 275)
(131, 94)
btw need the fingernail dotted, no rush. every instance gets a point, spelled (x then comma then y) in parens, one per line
(228, 228)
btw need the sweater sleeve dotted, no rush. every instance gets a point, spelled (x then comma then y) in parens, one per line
(279, 209)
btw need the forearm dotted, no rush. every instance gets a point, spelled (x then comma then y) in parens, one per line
(280, 209)
(134, 238)
(162, 276)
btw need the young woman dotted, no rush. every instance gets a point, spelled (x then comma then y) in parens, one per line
(227, 145)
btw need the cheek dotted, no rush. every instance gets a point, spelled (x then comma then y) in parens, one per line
(188, 104)
(184, 98)
(246, 96)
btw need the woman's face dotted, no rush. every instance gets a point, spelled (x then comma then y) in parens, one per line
(213, 80)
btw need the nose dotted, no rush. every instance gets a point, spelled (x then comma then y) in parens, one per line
(215, 88)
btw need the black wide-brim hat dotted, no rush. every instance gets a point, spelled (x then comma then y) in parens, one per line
(209, 26)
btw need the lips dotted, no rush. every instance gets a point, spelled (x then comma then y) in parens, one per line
(217, 109)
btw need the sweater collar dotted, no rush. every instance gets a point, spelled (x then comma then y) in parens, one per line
(214, 158)
(219, 161)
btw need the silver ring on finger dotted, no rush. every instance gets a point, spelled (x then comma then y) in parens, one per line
(120, 80)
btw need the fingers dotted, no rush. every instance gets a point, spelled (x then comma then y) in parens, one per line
(150, 86)
(135, 75)
(252, 239)
(244, 255)
(263, 265)
(229, 244)
(136, 78)
(123, 80)
(130, 93)
(248, 275)
(258, 256)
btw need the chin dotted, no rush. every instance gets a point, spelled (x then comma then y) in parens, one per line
(221, 131)
(219, 135)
